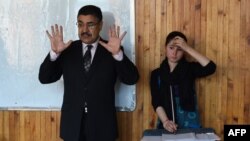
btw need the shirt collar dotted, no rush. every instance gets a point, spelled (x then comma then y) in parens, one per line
(93, 44)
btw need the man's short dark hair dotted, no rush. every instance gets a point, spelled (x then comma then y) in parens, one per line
(173, 34)
(91, 10)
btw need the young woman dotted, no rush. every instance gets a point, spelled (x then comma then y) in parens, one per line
(173, 84)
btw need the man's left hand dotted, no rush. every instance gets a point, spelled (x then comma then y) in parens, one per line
(114, 42)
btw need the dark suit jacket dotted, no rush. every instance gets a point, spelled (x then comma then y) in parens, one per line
(96, 87)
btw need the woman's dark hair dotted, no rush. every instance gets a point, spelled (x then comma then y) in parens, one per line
(173, 34)
(91, 10)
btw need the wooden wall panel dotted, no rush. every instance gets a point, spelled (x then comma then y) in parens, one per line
(247, 84)
(29, 126)
(218, 29)
(219, 49)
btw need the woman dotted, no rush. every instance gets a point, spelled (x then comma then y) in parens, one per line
(173, 84)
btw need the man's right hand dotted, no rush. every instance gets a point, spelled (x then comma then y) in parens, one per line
(56, 39)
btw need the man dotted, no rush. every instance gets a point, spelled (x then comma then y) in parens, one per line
(88, 110)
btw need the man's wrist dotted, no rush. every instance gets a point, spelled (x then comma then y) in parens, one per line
(53, 55)
(118, 56)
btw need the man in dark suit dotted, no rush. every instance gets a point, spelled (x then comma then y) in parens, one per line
(88, 110)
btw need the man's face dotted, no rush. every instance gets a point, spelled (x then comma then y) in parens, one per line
(88, 28)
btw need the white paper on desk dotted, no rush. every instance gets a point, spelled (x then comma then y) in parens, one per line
(179, 137)
(207, 137)
(151, 138)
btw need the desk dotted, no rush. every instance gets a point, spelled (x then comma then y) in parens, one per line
(156, 134)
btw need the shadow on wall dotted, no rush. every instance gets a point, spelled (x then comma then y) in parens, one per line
(108, 20)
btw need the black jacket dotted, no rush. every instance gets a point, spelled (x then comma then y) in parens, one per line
(184, 76)
(96, 87)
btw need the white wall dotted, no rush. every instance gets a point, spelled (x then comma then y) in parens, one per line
(24, 45)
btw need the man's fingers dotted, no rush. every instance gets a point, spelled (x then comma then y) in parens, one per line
(61, 31)
(115, 32)
(57, 30)
(112, 31)
(53, 31)
(123, 34)
(118, 31)
(48, 34)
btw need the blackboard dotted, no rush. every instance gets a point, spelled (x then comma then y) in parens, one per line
(24, 44)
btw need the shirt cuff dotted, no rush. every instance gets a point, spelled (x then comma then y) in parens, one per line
(53, 55)
(118, 56)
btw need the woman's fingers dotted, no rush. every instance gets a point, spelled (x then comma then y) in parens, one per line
(170, 126)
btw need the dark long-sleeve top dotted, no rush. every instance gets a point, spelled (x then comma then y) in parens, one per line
(184, 76)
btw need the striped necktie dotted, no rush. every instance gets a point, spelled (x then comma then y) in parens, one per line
(87, 58)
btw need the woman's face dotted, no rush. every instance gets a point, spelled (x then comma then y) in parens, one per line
(174, 53)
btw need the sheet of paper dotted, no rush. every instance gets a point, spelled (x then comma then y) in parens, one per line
(179, 137)
(182, 136)
(207, 137)
(151, 138)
